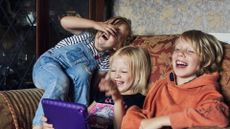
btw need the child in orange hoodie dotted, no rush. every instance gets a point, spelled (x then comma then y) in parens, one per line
(190, 95)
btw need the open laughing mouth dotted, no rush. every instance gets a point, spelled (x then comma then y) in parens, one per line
(181, 64)
(119, 83)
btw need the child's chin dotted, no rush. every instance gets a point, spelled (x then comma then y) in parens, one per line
(179, 73)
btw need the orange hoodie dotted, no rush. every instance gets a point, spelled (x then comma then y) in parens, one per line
(196, 103)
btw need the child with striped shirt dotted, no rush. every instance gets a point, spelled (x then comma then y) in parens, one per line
(70, 64)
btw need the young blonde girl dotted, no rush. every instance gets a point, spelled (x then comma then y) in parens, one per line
(130, 68)
(189, 96)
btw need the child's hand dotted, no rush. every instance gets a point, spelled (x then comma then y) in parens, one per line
(110, 89)
(45, 124)
(155, 123)
(108, 29)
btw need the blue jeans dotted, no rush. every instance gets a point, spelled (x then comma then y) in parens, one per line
(59, 70)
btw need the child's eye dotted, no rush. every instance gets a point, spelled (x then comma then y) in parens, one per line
(190, 52)
(112, 70)
(176, 50)
(124, 71)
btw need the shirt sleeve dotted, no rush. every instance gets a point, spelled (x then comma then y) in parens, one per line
(136, 114)
(104, 64)
(75, 39)
(209, 113)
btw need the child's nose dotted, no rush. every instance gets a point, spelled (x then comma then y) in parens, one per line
(182, 53)
(117, 75)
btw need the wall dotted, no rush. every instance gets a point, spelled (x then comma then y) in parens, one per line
(175, 16)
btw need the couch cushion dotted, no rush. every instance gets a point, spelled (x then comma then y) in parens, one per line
(225, 74)
(17, 108)
(160, 49)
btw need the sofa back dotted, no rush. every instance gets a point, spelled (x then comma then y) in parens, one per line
(160, 48)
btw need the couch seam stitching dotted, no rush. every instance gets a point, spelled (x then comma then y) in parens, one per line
(11, 110)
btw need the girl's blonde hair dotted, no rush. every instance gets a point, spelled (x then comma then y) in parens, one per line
(139, 64)
(209, 49)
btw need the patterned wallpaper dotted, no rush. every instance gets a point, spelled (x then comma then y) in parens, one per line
(175, 16)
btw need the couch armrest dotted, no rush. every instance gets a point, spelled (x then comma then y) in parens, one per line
(17, 108)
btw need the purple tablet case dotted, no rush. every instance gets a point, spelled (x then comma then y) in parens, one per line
(65, 115)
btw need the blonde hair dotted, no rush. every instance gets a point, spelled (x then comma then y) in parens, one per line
(118, 20)
(140, 66)
(209, 49)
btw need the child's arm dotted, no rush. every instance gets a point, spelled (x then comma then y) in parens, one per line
(119, 112)
(155, 123)
(75, 25)
(95, 82)
(211, 112)
(119, 109)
